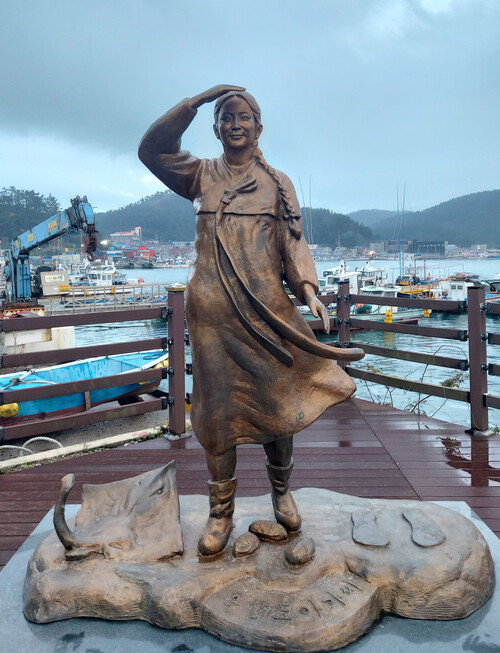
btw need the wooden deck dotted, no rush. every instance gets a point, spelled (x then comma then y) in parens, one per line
(355, 448)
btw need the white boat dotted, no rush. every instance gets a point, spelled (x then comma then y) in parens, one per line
(385, 313)
(454, 288)
(388, 312)
(98, 275)
(359, 278)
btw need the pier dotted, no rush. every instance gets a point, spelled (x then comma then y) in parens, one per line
(84, 299)
(358, 447)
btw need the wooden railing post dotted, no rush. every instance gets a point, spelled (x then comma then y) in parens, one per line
(344, 315)
(176, 381)
(478, 366)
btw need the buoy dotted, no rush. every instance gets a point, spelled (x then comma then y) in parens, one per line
(141, 280)
(163, 363)
(9, 410)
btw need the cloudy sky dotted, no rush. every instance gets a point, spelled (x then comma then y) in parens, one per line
(357, 96)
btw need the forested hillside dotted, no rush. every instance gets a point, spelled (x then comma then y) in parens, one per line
(332, 229)
(166, 216)
(22, 209)
(463, 221)
(371, 217)
(163, 216)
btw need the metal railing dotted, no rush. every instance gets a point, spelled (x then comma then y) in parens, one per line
(82, 299)
(173, 313)
(174, 341)
(477, 395)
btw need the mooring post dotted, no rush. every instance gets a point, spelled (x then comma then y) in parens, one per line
(176, 382)
(478, 366)
(344, 315)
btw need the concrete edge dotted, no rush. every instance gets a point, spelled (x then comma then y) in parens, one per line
(84, 447)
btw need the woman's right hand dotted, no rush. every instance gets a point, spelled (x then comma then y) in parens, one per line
(212, 94)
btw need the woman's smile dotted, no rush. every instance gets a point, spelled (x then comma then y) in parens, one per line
(236, 126)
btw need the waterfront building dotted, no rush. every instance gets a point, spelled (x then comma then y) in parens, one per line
(127, 237)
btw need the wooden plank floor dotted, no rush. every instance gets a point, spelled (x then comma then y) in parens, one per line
(356, 448)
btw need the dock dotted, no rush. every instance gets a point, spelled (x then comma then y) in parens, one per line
(357, 447)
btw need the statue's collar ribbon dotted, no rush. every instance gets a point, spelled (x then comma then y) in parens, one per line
(240, 294)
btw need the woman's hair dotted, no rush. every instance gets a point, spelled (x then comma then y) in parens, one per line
(290, 214)
(249, 99)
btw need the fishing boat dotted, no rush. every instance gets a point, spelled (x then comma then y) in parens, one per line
(387, 313)
(90, 368)
(360, 278)
(79, 280)
(375, 312)
(102, 276)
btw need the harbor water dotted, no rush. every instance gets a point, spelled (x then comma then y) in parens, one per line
(448, 410)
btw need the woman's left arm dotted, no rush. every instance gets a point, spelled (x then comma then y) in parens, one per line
(298, 265)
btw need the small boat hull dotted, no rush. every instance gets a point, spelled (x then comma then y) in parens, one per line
(77, 402)
(386, 315)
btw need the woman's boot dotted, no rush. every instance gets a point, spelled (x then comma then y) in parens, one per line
(285, 510)
(220, 523)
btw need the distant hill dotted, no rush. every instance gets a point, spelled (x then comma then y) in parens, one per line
(371, 217)
(163, 216)
(463, 221)
(329, 228)
(166, 216)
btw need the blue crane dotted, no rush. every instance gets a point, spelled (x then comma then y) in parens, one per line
(79, 216)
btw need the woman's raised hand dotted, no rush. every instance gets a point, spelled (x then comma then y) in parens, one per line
(212, 94)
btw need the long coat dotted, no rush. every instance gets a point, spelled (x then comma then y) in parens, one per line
(250, 383)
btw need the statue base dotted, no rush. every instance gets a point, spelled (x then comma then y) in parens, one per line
(408, 558)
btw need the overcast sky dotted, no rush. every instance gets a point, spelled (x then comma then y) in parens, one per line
(356, 95)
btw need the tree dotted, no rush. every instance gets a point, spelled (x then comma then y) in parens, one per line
(22, 209)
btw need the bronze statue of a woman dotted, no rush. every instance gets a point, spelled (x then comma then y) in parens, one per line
(259, 375)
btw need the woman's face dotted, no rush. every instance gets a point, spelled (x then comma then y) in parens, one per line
(236, 126)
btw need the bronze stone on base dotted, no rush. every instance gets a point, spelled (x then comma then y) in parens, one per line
(263, 601)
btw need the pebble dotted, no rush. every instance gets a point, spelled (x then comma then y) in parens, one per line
(268, 530)
(300, 552)
(245, 545)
